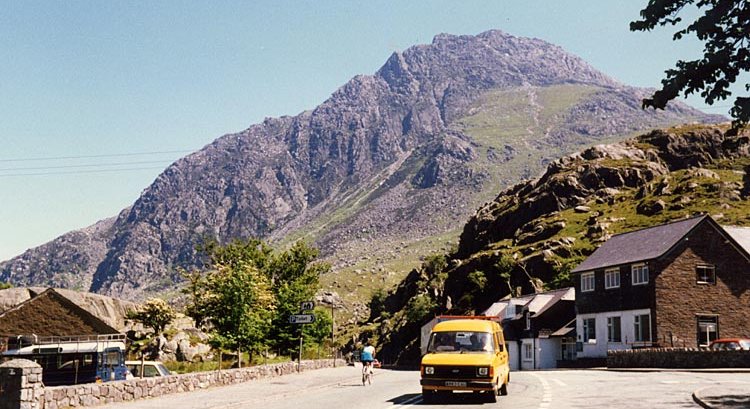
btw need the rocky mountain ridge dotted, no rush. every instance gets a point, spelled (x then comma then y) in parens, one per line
(389, 166)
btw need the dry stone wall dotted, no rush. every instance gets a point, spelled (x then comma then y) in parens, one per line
(32, 395)
(682, 358)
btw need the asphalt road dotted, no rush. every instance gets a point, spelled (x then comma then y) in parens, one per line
(341, 387)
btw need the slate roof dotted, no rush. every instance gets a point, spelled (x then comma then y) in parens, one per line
(740, 234)
(640, 245)
(536, 303)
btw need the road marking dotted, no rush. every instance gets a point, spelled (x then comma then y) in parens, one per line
(559, 382)
(546, 392)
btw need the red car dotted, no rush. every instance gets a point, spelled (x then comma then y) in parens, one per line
(730, 344)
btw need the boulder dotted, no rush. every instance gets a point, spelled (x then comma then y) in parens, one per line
(650, 207)
(581, 209)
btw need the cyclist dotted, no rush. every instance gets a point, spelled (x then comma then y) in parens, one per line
(367, 356)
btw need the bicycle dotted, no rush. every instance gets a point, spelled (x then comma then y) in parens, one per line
(366, 373)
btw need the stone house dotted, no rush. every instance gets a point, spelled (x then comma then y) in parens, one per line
(680, 284)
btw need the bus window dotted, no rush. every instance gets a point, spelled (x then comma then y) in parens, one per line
(88, 359)
(112, 358)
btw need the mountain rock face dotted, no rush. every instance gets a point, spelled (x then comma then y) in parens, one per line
(386, 170)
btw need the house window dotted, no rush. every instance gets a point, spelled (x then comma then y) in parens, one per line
(708, 329)
(589, 330)
(528, 320)
(587, 282)
(613, 329)
(612, 278)
(528, 352)
(705, 274)
(642, 328)
(639, 274)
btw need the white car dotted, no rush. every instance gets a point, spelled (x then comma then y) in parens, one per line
(150, 369)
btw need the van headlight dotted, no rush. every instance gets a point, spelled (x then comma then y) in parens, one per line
(429, 370)
(483, 371)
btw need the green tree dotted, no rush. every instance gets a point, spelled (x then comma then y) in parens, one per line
(377, 302)
(234, 298)
(420, 307)
(295, 278)
(249, 292)
(154, 313)
(4, 285)
(320, 330)
(478, 279)
(724, 29)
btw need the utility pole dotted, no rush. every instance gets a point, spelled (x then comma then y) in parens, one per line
(299, 360)
(333, 336)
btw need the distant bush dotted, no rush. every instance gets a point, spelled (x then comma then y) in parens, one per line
(419, 308)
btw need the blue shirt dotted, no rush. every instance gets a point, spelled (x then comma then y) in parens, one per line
(366, 355)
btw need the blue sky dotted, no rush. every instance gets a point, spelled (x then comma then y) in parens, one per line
(99, 97)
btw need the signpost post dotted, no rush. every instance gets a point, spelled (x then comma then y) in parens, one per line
(302, 319)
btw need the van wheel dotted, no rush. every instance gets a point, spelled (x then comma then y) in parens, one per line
(429, 397)
(503, 389)
(491, 396)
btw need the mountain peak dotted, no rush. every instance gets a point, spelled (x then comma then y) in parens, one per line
(388, 162)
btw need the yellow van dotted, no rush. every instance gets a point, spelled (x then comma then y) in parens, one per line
(465, 354)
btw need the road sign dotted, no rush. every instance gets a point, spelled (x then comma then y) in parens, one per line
(301, 319)
(307, 305)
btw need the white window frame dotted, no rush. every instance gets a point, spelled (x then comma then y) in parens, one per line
(610, 325)
(585, 328)
(588, 283)
(705, 321)
(707, 267)
(609, 275)
(638, 335)
(528, 351)
(639, 274)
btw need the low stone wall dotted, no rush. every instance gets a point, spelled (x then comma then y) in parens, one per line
(21, 384)
(682, 358)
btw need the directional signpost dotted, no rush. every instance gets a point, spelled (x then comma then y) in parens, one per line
(302, 319)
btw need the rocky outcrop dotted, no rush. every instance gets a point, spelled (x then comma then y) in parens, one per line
(599, 173)
(386, 159)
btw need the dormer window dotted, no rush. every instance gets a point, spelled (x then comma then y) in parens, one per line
(705, 274)
(639, 273)
(587, 282)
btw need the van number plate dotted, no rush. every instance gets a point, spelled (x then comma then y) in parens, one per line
(451, 383)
